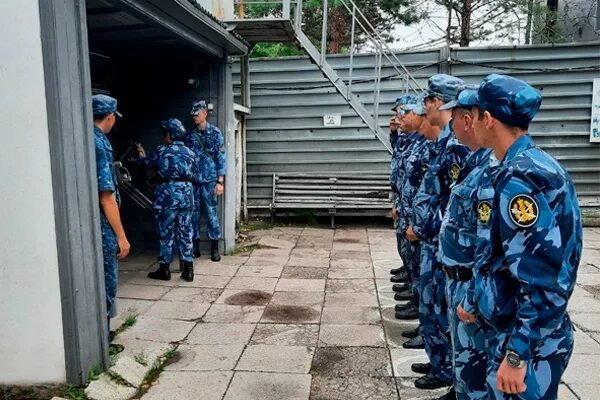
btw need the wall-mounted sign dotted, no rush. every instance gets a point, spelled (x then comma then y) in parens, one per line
(595, 125)
(332, 120)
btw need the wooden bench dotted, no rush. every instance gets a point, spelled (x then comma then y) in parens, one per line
(332, 193)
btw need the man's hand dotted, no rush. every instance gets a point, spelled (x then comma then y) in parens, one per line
(219, 189)
(511, 380)
(394, 124)
(394, 214)
(411, 235)
(465, 316)
(124, 247)
(141, 151)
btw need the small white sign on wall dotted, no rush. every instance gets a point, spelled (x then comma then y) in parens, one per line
(332, 120)
(595, 123)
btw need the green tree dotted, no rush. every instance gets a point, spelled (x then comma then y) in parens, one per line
(383, 15)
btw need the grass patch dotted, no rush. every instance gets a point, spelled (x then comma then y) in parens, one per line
(141, 358)
(155, 371)
(94, 373)
(256, 224)
(75, 393)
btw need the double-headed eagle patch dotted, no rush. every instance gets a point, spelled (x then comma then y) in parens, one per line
(484, 211)
(454, 172)
(523, 210)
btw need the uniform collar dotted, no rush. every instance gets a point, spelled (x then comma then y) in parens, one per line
(208, 125)
(478, 156)
(520, 145)
(98, 131)
(445, 133)
(177, 142)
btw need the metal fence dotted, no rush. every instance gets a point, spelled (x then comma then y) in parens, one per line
(289, 97)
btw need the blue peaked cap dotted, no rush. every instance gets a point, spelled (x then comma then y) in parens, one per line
(104, 105)
(444, 87)
(508, 99)
(198, 106)
(466, 98)
(417, 105)
(174, 128)
(402, 100)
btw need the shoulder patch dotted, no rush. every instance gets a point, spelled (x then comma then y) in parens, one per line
(484, 210)
(523, 210)
(454, 172)
(424, 167)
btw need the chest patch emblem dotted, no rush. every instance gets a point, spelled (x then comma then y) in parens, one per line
(523, 210)
(454, 172)
(484, 211)
(424, 168)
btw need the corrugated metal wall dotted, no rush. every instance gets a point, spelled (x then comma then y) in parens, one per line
(289, 97)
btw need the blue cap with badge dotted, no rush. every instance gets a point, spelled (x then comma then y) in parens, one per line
(444, 87)
(417, 106)
(404, 99)
(198, 106)
(508, 99)
(104, 105)
(466, 98)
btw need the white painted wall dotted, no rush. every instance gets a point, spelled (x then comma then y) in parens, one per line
(31, 336)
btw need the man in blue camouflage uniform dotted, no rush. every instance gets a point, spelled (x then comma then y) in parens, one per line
(415, 167)
(523, 285)
(114, 242)
(206, 141)
(173, 203)
(399, 141)
(457, 244)
(447, 159)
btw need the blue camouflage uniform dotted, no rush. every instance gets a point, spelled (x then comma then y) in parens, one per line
(107, 182)
(457, 244)
(415, 164)
(401, 142)
(174, 194)
(445, 165)
(208, 146)
(523, 285)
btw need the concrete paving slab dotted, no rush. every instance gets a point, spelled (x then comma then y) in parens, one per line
(298, 298)
(315, 252)
(345, 246)
(350, 285)
(300, 285)
(143, 351)
(351, 299)
(223, 313)
(350, 315)
(286, 334)
(402, 359)
(253, 283)
(351, 335)
(271, 358)
(197, 295)
(158, 330)
(585, 344)
(267, 261)
(350, 264)
(144, 292)
(190, 385)
(130, 370)
(585, 391)
(308, 262)
(238, 297)
(588, 279)
(564, 393)
(343, 273)
(225, 260)
(183, 310)
(268, 386)
(588, 321)
(355, 388)
(206, 357)
(304, 273)
(318, 232)
(127, 307)
(349, 255)
(270, 241)
(105, 389)
(351, 361)
(582, 370)
(292, 314)
(226, 334)
(385, 255)
(408, 391)
(204, 281)
(217, 270)
(272, 271)
(275, 253)
(387, 264)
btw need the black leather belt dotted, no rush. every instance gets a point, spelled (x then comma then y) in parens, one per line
(459, 274)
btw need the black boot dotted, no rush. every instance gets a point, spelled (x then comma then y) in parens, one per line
(414, 343)
(430, 382)
(400, 278)
(187, 274)
(162, 273)
(196, 245)
(421, 368)
(399, 287)
(408, 313)
(214, 251)
(404, 295)
(413, 333)
(396, 271)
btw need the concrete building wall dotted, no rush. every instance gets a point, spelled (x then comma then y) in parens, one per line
(30, 307)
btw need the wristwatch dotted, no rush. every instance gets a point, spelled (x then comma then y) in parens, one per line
(514, 360)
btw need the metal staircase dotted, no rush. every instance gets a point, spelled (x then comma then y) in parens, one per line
(281, 26)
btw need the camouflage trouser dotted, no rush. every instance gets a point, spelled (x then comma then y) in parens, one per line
(433, 313)
(174, 225)
(111, 267)
(205, 203)
(469, 351)
(402, 244)
(544, 370)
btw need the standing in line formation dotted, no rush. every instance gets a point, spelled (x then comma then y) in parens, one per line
(490, 235)
(190, 169)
